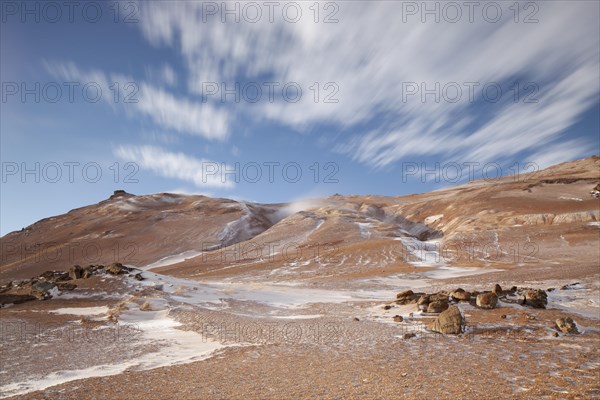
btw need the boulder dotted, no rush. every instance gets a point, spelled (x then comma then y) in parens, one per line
(116, 269)
(406, 293)
(66, 285)
(87, 272)
(460, 295)
(423, 302)
(43, 290)
(448, 322)
(441, 296)
(497, 289)
(75, 272)
(487, 301)
(437, 306)
(407, 297)
(536, 298)
(566, 325)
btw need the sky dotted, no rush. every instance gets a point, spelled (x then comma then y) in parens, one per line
(280, 101)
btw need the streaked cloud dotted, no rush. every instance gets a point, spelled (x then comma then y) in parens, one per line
(371, 53)
(158, 105)
(201, 172)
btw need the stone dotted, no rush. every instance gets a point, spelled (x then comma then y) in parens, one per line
(75, 272)
(116, 269)
(441, 296)
(87, 272)
(536, 298)
(437, 306)
(407, 297)
(460, 295)
(398, 318)
(42, 290)
(406, 293)
(448, 322)
(387, 307)
(487, 301)
(139, 277)
(356, 319)
(497, 289)
(503, 316)
(409, 335)
(513, 289)
(570, 286)
(566, 325)
(423, 302)
(66, 285)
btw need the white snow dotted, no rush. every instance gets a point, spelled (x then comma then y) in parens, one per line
(156, 326)
(173, 259)
(570, 198)
(364, 229)
(433, 219)
(83, 311)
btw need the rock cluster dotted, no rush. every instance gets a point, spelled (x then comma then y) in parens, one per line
(51, 283)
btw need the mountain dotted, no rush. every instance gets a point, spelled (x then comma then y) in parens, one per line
(544, 217)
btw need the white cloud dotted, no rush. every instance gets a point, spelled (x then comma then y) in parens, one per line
(163, 108)
(371, 52)
(201, 172)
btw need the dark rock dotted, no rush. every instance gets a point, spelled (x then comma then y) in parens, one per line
(437, 306)
(503, 316)
(75, 272)
(497, 289)
(356, 319)
(139, 277)
(406, 293)
(566, 325)
(87, 272)
(550, 289)
(487, 301)
(441, 296)
(513, 289)
(66, 285)
(398, 318)
(555, 334)
(460, 295)
(570, 286)
(448, 322)
(409, 335)
(41, 290)
(117, 269)
(407, 297)
(423, 302)
(536, 298)
(387, 307)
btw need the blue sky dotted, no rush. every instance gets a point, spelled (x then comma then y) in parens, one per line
(168, 129)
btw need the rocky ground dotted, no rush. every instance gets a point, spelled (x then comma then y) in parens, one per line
(531, 339)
